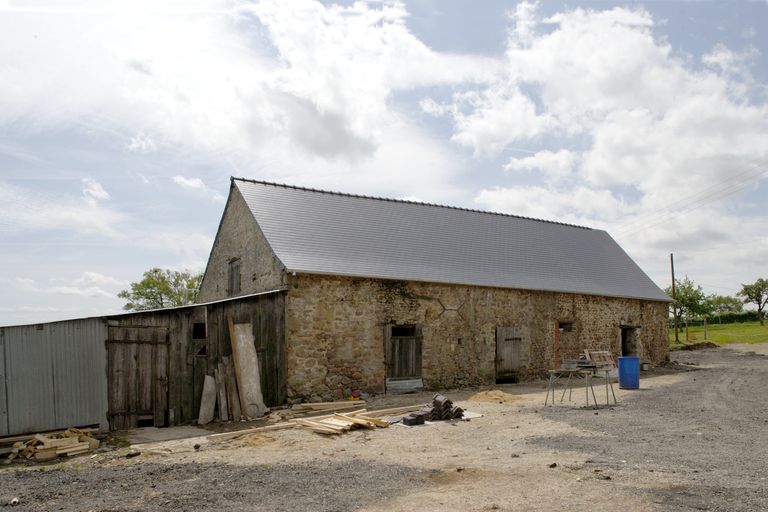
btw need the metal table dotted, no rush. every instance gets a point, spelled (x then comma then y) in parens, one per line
(556, 375)
(608, 384)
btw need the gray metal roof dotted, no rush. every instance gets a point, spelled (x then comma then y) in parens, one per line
(318, 232)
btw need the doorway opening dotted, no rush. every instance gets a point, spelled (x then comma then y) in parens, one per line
(629, 343)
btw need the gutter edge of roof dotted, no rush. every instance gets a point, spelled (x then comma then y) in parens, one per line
(319, 273)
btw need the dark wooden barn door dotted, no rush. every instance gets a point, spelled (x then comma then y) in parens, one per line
(137, 376)
(403, 352)
(508, 353)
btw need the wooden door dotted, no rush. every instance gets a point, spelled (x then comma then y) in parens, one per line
(508, 353)
(403, 352)
(137, 376)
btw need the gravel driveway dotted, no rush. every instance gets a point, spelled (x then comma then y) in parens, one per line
(693, 438)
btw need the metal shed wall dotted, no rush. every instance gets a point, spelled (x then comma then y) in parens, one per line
(54, 376)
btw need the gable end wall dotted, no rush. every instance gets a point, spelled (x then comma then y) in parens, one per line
(241, 237)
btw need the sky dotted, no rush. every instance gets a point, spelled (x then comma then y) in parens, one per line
(121, 123)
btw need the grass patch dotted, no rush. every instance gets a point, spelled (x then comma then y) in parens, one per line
(747, 332)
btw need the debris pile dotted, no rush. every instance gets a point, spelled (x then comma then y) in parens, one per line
(340, 419)
(44, 447)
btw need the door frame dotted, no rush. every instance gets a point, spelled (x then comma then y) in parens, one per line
(511, 333)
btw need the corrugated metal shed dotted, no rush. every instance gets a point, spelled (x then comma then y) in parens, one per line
(54, 376)
(321, 232)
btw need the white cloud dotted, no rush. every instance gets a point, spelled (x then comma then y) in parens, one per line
(580, 205)
(141, 143)
(555, 165)
(26, 208)
(197, 184)
(88, 278)
(237, 79)
(194, 183)
(654, 140)
(89, 284)
(93, 191)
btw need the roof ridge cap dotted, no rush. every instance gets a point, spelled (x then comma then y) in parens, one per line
(405, 201)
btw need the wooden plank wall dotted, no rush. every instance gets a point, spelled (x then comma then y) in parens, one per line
(266, 313)
(189, 360)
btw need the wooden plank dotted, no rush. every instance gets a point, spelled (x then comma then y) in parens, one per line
(356, 421)
(160, 384)
(63, 442)
(375, 421)
(236, 364)
(116, 386)
(233, 435)
(77, 447)
(145, 384)
(247, 371)
(233, 398)
(132, 381)
(208, 401)
(175, 324)
(200, 370)
(392, 411)
(337, 423)
(329, 406)
(317, 416)
(45, 454)
(281, 358)
(221, 392)
(321, 428)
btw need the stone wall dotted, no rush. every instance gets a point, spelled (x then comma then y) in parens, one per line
(335, 330)
(239, 236)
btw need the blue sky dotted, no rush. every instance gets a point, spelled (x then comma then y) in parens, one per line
(121, 123)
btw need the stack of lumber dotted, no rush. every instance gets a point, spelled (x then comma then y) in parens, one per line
(441, 408)
(330, 424)
(338, 423)
(44, 447)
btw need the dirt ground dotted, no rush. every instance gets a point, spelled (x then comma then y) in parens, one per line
(692, 438)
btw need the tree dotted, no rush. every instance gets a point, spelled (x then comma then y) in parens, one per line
(719, 304)
(161, 288)
(690, 300)
(756, 293)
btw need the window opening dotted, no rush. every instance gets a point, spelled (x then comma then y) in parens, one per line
(198, 331)
(234, 277)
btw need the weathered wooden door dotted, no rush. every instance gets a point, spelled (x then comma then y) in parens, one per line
(403, 352)
(137, 376)
(508, 353)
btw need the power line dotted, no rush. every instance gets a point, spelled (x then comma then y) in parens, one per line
(693, 202)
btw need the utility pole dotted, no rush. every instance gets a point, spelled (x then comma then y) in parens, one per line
(674, 297)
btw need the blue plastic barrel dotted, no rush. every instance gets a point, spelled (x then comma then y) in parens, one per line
(629, 372)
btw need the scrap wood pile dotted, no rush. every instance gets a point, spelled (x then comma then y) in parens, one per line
(44, 447)
(339, 423)
(233, 392)
(341, 419)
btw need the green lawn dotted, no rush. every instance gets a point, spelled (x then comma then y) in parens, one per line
(748, 332)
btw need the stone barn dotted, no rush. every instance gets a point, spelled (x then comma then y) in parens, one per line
(382, 294)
